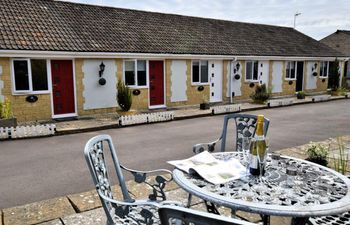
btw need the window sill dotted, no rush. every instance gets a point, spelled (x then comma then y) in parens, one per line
(200, 84)
(31, 93)
(322, 77)
(290, 79)
(252, 81)
(138, 87)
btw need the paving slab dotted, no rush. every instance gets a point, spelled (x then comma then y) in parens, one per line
(90, 200)
(142, 190)
(180, 195)
(85, 201)
(52, 222)
(92, 217)
(38, 212)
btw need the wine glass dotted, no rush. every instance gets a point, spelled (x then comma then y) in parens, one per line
(262, 157)
(246, 141)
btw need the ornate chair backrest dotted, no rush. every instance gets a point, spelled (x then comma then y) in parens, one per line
(172, 215)
(95, 157)
(245, 127)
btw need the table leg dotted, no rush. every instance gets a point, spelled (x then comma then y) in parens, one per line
(266, 219)
(211, 208)
(299, 220)
(189, 200)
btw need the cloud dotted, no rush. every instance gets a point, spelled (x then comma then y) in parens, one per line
(318, 18)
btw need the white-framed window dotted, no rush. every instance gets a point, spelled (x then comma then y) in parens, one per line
(135, 73)
(251, 71)
(200, 72)
(30, 76)
(291, 70)
(324, 69)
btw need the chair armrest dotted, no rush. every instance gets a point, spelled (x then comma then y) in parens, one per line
(128, 203)
(201, 147)
(158, 187)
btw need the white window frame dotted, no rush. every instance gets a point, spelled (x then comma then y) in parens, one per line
(322, 64)
(200, 71)
(29, 66)
(252, 75)
(289, 73)
(136, 86)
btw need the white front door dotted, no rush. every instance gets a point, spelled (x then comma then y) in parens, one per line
(215, 79)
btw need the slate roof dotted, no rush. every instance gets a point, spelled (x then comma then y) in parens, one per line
(339, 40)
(62, 26)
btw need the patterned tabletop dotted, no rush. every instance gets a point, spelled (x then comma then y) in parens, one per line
(313, 191)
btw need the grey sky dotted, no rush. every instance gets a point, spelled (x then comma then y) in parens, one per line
(319, 18)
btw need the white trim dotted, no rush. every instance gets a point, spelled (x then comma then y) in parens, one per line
(66, 54)
(64, 115)
(245, 75)
(136, 86)
(30, 91)
(321, 65)
(74, 92)
(199, 83)
(295, 70)
(157, 106)
(164, 88)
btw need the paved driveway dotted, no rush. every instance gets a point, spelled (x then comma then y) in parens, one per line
(37, 169)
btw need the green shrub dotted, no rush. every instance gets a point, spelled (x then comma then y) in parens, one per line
(5, 109)
(340, 162)
(340, 91)
(317, 153)
(261, 94)
(124, 96)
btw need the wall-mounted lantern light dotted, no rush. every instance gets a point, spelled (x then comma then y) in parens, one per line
(237, 66)
(102, 69)
(101, 81)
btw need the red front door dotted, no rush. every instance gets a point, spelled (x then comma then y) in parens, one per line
(62, 86)
(156, 83)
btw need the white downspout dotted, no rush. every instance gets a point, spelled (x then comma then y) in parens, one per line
(231, 78)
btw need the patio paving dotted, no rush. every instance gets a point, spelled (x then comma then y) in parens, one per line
(85, 208)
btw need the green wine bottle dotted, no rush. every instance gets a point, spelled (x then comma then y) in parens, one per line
(258, 147)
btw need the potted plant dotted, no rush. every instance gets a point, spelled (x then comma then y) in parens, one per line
(261, 94)
(300, 95)
(124, 96)
(6, 117)
(317, 153)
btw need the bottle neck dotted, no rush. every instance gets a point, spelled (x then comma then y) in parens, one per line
(260, 129)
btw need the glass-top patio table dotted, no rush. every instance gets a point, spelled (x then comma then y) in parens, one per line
(314, 190)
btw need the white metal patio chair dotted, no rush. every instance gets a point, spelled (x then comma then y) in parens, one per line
(174, 215)
(127, 210)
(245, 127)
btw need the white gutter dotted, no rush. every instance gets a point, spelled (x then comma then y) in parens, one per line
(64, 54)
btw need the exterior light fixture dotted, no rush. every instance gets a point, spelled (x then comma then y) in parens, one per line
(102, 69)
(101, 81)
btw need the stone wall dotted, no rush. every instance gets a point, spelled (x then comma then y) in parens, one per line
(23, 110)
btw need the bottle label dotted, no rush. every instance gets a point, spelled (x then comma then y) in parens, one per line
(253, 162)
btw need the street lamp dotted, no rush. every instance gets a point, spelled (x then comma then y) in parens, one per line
(295, 18)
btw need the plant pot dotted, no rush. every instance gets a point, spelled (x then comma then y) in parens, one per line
(204, 106)
(322, 162)
(300, 96)
(12, 122)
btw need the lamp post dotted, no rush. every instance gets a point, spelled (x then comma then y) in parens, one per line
(295, 18)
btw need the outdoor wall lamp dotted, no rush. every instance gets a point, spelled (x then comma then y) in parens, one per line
(101, 81)
(102, 69)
